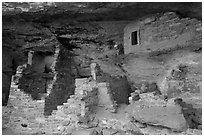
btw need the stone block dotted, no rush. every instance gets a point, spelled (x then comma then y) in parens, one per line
(109, 131)
(83, 132)
(65, 122)
(168, 116)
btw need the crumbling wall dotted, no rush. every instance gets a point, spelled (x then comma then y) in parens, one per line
(119, 86)
(81, 66)
(158, 33)
(38, 74)
(26, 114)
(33, 84)
(64, 84)
(75, 112)
(10, 62)
(105, 97)
(7, 73)
(183, 76)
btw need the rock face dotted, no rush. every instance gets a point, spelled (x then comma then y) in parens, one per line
(157, 112)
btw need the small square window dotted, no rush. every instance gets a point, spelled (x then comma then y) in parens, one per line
(135, 38)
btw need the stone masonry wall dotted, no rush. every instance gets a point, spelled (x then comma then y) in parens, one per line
(164, 32)
(26, 113)
(50, 85)
(75, 111)
(119, 87)
(35, 78)
(105, 97)
(64, 82)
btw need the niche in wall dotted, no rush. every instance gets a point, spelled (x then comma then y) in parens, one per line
(135, 38)
(42, 62)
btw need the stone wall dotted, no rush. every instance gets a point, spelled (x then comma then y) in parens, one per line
(119, 87)
(38, 74)
(75, 112)
(64, 84)
(158, 33)
(105, 97)
(10, 61)
(26, 115)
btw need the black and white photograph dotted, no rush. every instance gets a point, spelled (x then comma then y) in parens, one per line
(101, 67)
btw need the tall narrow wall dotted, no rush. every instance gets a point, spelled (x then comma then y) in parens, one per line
(64, 84)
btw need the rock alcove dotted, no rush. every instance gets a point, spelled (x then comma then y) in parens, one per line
(102, 68)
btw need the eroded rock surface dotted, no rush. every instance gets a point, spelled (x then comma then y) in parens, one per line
(157, 112)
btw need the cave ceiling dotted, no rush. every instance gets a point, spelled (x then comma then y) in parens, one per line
(97, 11)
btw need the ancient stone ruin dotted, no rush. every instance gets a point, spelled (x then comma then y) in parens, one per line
(101, 68)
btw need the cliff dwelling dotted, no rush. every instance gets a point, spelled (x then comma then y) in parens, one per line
(101, 68)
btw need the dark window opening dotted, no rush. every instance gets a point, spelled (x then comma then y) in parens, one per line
(135, 38)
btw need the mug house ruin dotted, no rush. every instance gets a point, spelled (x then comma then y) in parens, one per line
(102, 69)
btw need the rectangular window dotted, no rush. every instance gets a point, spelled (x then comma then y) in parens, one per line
(135, 38)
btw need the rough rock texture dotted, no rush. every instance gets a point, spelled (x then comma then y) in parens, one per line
(102, 10)
(183, 76)
(191, 105)
(157, 112)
